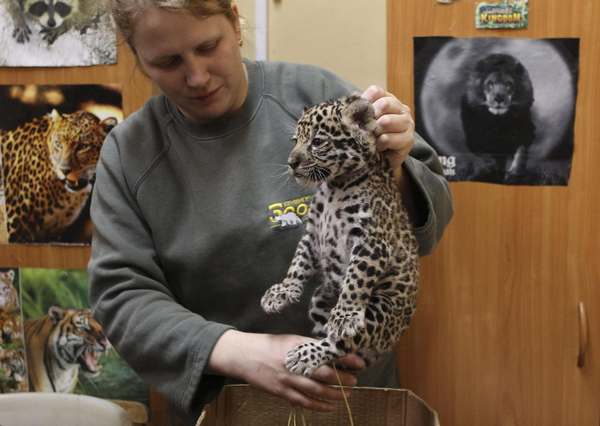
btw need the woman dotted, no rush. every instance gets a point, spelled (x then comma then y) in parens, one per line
(186, 242)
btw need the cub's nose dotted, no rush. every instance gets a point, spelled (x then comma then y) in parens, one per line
(293, 163)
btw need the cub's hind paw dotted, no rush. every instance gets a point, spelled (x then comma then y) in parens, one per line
(344, 325)
(303, 360)
(278, 297)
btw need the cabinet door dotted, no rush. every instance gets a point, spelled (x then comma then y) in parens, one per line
(495, 339)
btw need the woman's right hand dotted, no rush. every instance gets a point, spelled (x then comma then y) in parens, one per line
(259, 360)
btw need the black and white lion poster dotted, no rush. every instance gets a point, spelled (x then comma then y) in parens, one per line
(54, 33)
(498, 110)
(50, 140)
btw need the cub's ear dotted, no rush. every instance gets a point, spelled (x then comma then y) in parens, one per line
(360, 112)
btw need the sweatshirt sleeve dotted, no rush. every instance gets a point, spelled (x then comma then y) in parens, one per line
(432, 195)
(167, 345)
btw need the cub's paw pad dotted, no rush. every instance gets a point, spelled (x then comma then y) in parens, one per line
(278, 297)
(302, 360)
(344, 325)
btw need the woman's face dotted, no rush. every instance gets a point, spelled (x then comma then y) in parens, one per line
(195, 62)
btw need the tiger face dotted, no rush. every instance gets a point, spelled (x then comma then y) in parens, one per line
(12, 361)
(10, 327)
(60, 345)
(79, 338)
(8, 293)
(74, 146)
(332, 139)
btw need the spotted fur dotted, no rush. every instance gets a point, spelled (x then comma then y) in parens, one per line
(48, 165)
(358, 237)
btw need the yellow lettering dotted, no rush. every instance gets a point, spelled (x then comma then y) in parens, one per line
(289, 209)
(275, 212)
(302, 210)
(484, 18)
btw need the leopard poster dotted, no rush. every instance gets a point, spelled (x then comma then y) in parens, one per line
(50, 138)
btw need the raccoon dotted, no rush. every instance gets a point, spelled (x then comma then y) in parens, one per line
(56, 17)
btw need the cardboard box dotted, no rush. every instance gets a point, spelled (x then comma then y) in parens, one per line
(241, 405)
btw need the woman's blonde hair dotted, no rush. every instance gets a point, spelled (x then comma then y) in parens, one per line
(126, 12)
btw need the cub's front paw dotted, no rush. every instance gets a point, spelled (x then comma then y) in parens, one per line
(344, 324)
(303, 360)
(278, 297)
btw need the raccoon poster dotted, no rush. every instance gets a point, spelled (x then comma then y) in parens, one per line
(50, 140)
(47, 33)
(498, 110)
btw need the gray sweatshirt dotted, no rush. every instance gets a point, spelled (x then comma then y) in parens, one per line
(187, 238)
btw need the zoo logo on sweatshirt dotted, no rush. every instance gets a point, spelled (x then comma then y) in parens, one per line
(291, 213)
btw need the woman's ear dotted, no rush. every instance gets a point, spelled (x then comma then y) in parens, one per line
(236, 20)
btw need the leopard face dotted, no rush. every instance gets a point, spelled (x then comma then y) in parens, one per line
(333, 139)
(75, 144)
(49, 165)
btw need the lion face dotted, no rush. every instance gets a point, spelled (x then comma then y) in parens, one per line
(499, 82)
(498, 88)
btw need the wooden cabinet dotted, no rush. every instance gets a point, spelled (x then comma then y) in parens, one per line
(496, 336)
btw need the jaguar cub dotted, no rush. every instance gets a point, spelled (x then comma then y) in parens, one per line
(358, 237)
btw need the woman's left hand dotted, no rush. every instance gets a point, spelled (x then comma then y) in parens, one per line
(395, 125)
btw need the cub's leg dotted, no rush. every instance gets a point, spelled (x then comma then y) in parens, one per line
(347, 318)
(322, 302)
(304, 265)
(383, 328)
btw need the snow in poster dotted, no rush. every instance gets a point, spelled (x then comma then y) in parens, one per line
(44, 33)
(498, 110)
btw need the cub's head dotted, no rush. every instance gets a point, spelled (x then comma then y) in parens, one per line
(75, 145)
(78, 338)
(332, 139)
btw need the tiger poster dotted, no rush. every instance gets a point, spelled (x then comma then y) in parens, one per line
(50, 138)
(66, 349)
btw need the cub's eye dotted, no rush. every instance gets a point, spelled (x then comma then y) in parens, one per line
(490, 84)
(318, 142)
